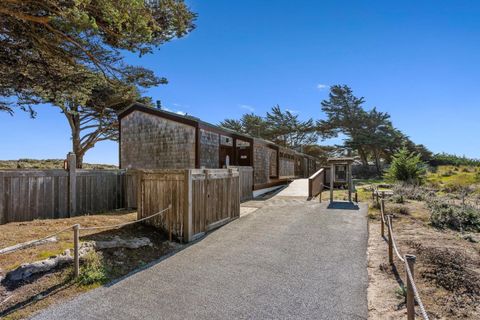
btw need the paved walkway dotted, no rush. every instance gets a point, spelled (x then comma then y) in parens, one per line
(297, 188)
(290, 259)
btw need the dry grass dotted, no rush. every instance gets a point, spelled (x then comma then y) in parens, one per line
(46, 164)
(43, 290)
(447, 268)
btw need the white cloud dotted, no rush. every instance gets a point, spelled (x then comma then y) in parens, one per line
(293, 111)
(321, 86)
(247, 107)
(179, 112)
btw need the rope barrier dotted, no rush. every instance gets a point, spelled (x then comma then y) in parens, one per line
(415, 292)
(127, 223)
(410, 279)
(32, 242)
(393, 241)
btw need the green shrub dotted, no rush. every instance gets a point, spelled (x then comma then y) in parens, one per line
(406, 167)
(401, 292)
(413, 192)
(93, 270)
(398, 209)
(397, 198)
(445, 215)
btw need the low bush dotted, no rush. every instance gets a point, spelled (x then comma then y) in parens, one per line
(397, 198)
(413, 192)
(446, 215)
(398, 209)
(93, 270)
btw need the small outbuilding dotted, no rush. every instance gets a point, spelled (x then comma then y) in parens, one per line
(157, 139)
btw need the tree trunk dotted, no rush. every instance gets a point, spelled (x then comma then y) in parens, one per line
(377, 162)
(363, 157)
(74, 122)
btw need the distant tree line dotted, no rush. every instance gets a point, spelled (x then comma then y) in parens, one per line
(369, 134)
(440, 159)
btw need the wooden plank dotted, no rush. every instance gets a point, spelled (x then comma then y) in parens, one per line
(3, 195)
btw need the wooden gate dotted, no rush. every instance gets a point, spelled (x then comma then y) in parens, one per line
(201, 199)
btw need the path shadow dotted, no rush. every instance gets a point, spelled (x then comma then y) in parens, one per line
(343, 205)
(37, 297)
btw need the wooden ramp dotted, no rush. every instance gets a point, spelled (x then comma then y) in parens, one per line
(297, 188)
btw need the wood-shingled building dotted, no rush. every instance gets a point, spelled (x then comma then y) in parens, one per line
(157, 139)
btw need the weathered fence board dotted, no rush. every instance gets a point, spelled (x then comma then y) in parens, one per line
(246, 182)
(33, 194)
(47, 194)
(201, 199)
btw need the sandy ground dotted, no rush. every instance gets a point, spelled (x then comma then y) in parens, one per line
(447, 271)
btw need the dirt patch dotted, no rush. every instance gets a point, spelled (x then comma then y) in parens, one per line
(447, 269)
(20, 300)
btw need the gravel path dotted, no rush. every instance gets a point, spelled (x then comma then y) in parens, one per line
(287, 260)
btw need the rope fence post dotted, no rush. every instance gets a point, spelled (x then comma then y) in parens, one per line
(382, 217)
(390, 240)
(76, 249)
(410, 260)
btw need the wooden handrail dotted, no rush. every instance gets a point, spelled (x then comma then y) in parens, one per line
(315, 185)
(313, 176)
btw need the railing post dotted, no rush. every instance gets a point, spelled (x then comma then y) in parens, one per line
(390, 240)
(76, 249)
(410, 260)
(382, 216)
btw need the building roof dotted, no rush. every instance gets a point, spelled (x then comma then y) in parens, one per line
(341, 160)
(194, 121)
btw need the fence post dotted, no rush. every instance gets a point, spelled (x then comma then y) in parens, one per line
(390, 240)
(410, 260)
(188, 206)
(72, 183)
(382, 216)
(76, 248)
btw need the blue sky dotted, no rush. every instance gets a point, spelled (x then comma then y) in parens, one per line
(417, 60)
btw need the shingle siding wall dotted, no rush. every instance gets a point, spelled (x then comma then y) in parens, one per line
(262, 156)
(287, 168)
(150, 142)
(209, 149)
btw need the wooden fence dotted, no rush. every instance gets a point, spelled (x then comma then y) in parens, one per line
(201, 199)
(246, 182)
(49, 194)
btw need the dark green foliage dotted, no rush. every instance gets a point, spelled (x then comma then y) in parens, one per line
(47, 46)
(406, 167)
(370, 134)
(281, 127)
(440, 159)
(456, 217)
